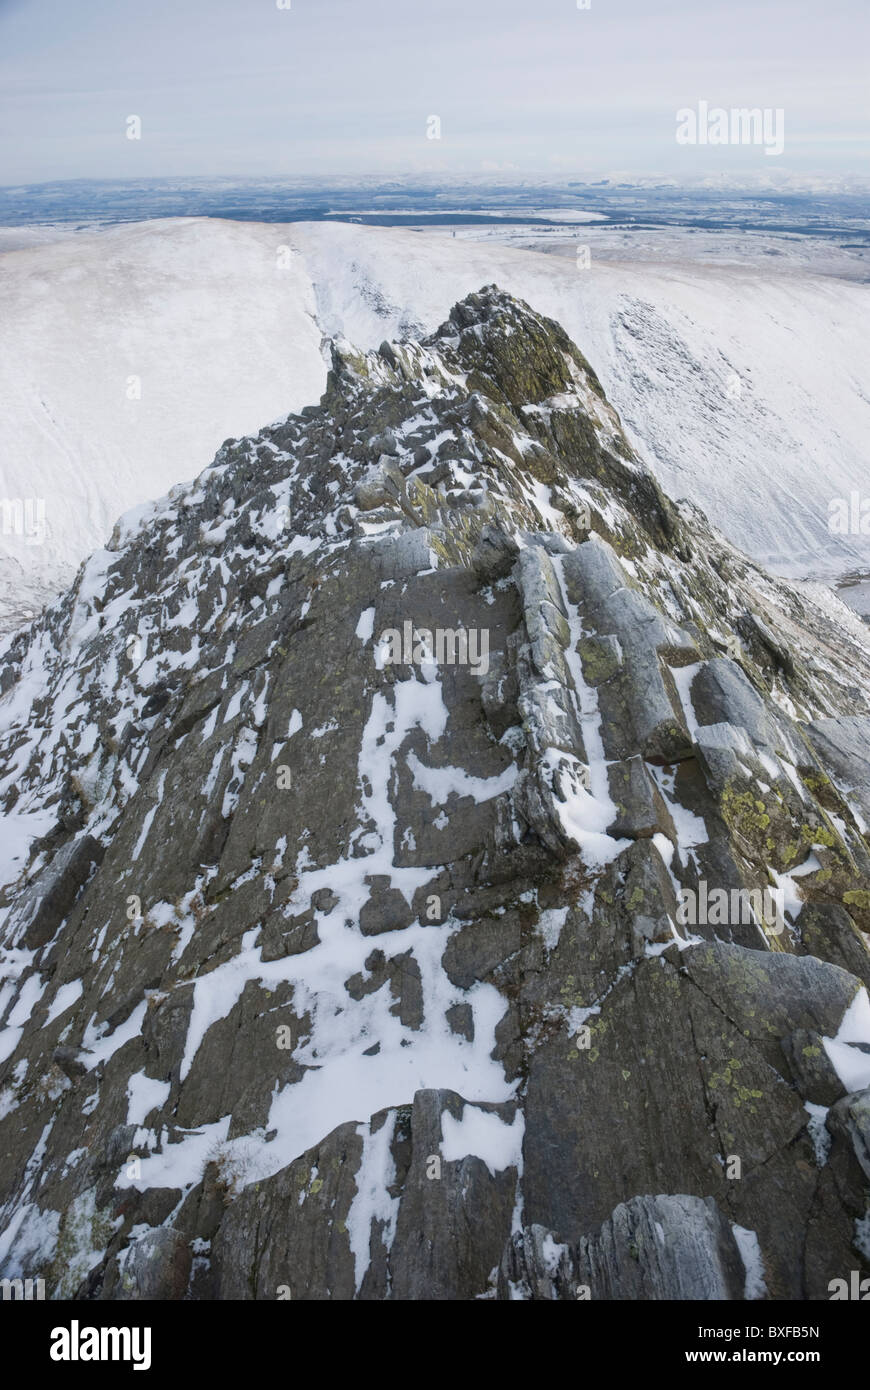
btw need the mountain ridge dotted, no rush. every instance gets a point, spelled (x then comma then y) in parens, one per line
(319, 959)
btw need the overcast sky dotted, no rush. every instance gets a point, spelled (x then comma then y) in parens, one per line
(241, 87)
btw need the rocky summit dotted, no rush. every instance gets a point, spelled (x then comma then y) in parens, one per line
(437, 868)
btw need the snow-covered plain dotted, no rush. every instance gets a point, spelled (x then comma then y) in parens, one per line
(747, 389)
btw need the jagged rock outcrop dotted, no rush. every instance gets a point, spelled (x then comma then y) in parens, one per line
(440, 870)
(650, 1248)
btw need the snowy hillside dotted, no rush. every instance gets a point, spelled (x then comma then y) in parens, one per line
(219, 339)
(746, 391)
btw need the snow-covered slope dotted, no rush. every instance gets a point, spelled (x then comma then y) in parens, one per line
(748, 390)
(220, 338)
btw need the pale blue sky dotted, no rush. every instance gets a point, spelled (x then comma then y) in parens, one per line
(240, 87)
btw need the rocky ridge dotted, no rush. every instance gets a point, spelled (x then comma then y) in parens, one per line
(333, 969)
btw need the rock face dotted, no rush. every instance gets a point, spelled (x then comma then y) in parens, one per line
(442, 872)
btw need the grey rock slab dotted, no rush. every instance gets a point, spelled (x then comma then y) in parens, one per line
(46, 902)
